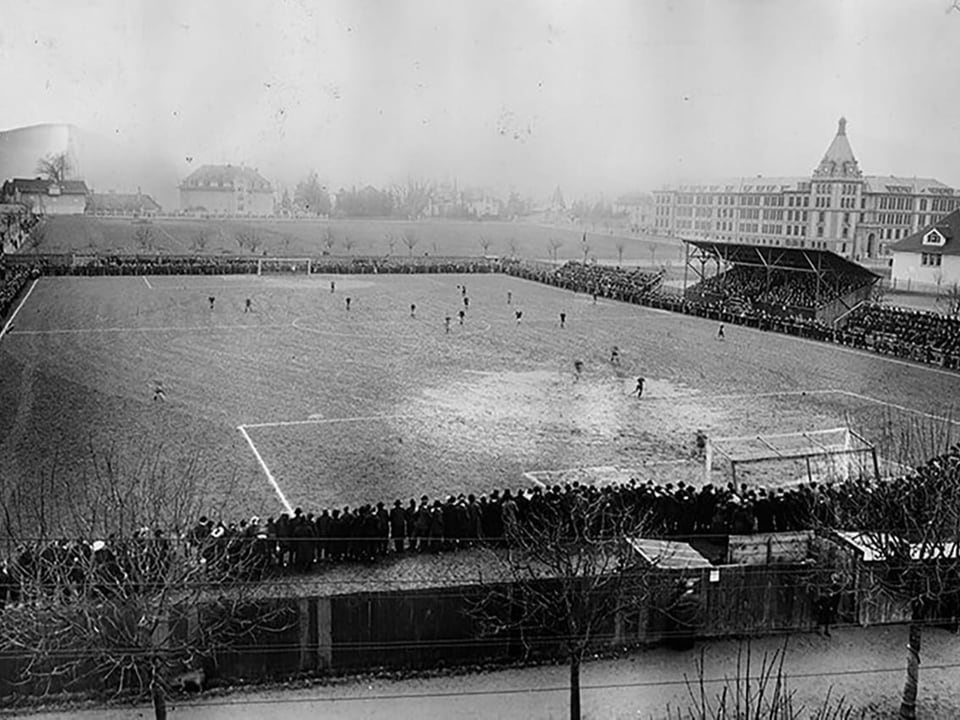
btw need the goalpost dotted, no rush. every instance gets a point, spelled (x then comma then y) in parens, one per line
(283, 266)
(836, 454)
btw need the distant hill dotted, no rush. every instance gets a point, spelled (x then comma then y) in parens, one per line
(20, 148)
(104, 163)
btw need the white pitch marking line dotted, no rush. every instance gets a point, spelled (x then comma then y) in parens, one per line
(266, 470)
(72, 331)
(10, 321)
(167, 233)
(898, 407)
(529, 476)
(147, 282)
(324, 421)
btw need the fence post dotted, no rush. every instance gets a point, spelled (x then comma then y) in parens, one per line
(324, 634)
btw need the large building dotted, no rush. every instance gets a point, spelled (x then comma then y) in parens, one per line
(226, 190)
(46, 197)
(837, 208)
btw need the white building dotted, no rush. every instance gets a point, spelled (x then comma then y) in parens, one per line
(929, 258)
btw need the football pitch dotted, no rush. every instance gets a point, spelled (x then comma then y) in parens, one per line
(303, 403)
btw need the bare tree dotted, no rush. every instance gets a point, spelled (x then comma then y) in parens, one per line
(950, 300)
(133, 610)
(55, 167)
(412, 199)
(410, 239)
(555, 246)
(199, 242)
(144, 238)
(912, 527)
(585, 249)
(391, 242)
(620, 245)
(749, 692)
(37, 236)
(248, 239)
(328, 239)
(348, 243)
(485, 244)
(571, 572)
(513, 247)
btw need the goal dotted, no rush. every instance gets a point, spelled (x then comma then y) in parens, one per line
(837, 454)
(283, 266)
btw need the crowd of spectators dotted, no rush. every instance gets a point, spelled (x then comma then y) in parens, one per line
(754, 289)
(13, 279)
(633, 286)
(915, 334)
(307, 541)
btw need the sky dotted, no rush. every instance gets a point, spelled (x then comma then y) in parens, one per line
(597, 96)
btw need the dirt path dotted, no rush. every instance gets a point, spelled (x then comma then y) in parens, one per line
(864, 665)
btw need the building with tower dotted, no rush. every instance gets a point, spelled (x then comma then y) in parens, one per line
(836, 208)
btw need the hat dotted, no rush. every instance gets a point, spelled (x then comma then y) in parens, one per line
(98, 545)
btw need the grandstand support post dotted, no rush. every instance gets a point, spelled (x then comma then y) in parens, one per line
(707, 461)
(809, 471)
(819, 276)
(259, 267)
(686, 266)
(309, 267)
(876, 464)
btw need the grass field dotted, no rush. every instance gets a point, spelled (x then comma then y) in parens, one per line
(368, 237)
(371, 404)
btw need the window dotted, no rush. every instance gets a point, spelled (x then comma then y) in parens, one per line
(933, 237)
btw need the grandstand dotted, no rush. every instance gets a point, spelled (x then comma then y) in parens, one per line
(777, 281)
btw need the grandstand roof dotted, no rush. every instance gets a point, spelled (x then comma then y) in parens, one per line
(782, 258)
(949, 228)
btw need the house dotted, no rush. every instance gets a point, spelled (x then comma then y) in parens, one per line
(481, 204)
(638, 209)
(123, 204)
(930, 257)
(226, 190)
(46, 197)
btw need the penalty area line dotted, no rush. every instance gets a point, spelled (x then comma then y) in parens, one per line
(10, 321)
(323, 421)
(147, 282)
(273, 481)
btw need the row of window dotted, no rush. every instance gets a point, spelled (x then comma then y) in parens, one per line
(931, 259)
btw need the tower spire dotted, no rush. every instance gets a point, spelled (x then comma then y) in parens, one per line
(839, 161)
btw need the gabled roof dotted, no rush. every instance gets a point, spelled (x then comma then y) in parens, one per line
(638, 198)
(755, 184)
(912, 185)
(668, 554)
(224, 177)
(947, 225)
(41, 186)
(124, 202)
(839, 160)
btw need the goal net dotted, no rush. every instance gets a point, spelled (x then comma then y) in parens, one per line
(837, 454)
(283, 266)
